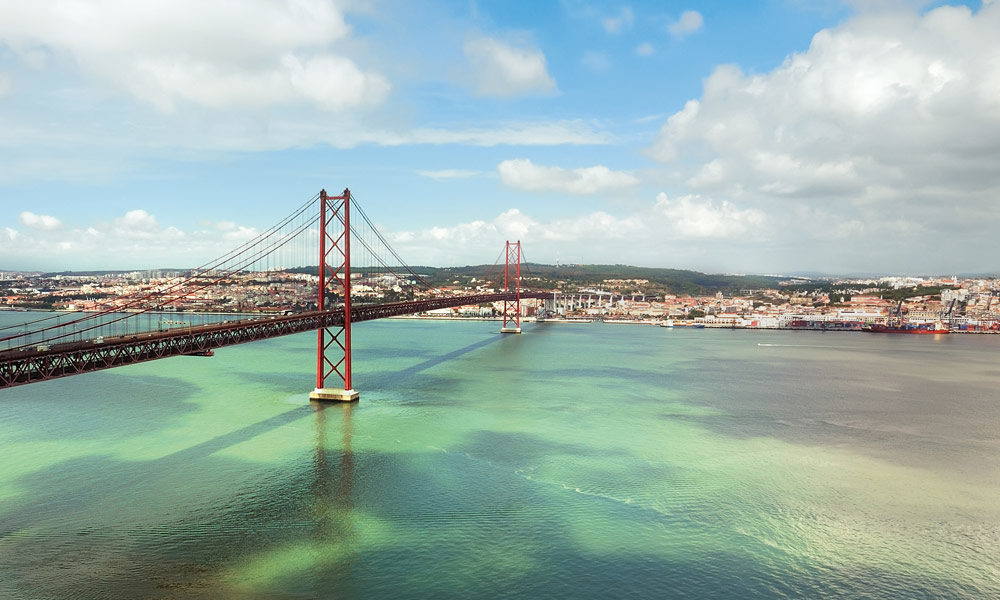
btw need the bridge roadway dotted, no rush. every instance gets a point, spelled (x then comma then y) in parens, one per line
(31, 364)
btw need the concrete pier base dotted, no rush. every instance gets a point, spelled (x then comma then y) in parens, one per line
(334, 395)
(510, 330)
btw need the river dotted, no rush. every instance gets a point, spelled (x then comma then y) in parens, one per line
(574, 460)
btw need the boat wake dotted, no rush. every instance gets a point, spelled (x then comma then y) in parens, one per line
(796, 346)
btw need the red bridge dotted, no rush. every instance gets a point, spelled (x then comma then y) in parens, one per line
(60, 350)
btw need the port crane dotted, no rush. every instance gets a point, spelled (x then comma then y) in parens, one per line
(896, 314)
(947, 314)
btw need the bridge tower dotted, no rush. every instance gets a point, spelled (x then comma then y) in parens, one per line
(333, 350)
(512, 309)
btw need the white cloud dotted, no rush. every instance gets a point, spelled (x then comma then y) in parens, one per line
(52, 158)
(541, 133)
(524, 175)
(500, 69)
(135, 239)
(444, 174)
(108, 87)
(514, 224)
(615, 25)
(238, 234)
(5, 84)
(440, 245)
(674, 231)
(692, 216)
(644, 49)
(334, 82)
(599, 225)
(689, 22)
(256, 53)
(892, 117)
(513, 134)
(480, 240)
(231, 231)
(40, 222)
(649, 118)
(95, 156)
(461, 234)
(137, 221)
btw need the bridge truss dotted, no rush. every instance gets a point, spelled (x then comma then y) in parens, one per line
(19, 367)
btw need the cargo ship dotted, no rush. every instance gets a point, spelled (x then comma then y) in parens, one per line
(826, 325)
(924, 328)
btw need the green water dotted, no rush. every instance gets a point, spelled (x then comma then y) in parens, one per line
(603, 461)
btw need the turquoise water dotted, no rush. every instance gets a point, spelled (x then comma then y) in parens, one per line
(571, 461)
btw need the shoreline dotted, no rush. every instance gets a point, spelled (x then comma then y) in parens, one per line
(657, 324)
(579, 321)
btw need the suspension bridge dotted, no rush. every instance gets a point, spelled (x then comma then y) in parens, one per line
(122, 330)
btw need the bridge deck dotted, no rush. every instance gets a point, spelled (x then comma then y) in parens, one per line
(29, 365)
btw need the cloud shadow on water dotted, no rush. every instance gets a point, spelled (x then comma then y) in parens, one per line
(57, 411)
(450, 528)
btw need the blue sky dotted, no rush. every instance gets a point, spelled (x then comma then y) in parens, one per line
(765, 137)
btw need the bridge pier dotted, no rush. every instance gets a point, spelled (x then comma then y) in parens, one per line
(334, 395)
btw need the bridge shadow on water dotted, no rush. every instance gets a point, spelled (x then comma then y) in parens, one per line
(437, 360)
(293, 383)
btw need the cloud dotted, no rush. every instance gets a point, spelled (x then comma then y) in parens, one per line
(257, 53)
(26, 154)
(445, 174)
(692, 216)
(500, 69)
(553, 133)
(106, 88)
(137, 220)
(524, 175)
(95, 156)
(334, 82)
(689, 22)
(644, 49)
(5, 84)
(615, 25)
(440, 245)
(681, 231)
(134, 240)
(891, 119)
(40, 222)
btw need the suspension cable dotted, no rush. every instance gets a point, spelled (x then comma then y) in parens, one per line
(196, 275)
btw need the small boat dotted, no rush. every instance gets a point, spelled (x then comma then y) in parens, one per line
(201, 353)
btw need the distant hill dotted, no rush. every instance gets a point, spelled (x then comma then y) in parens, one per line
(674, 281)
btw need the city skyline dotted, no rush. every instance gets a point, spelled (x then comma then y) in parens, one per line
(785, 136)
